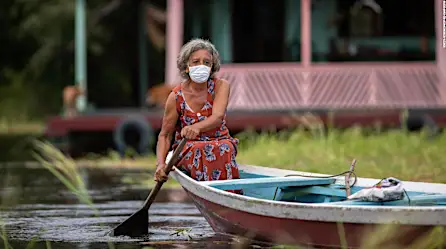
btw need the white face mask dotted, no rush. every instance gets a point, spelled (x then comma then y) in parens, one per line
(199, 74)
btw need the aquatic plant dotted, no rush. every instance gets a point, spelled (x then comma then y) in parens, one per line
(67, 171)
(63, 168)
(183, 232)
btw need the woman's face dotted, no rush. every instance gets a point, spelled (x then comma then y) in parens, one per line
(200, 57)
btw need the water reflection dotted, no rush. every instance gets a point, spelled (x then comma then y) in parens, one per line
(35, 203)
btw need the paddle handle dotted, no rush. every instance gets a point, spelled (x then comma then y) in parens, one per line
(169, 167)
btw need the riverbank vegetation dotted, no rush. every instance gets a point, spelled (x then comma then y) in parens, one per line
(379, 154)
(407, 156)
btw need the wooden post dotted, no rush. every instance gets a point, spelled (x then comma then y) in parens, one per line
(81, 54)
(305, 49)
(174, 39)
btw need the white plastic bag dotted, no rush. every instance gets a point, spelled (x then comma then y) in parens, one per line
(388, 189)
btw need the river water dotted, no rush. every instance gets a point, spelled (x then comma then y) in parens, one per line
(37, 207)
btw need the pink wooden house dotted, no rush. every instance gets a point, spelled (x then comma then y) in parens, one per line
(283, 51)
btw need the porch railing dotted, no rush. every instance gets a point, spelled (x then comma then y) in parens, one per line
(335, 86)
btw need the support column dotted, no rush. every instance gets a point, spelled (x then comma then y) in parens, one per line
(174, 39)
(81, 54)
(142, 53)
(221, 29)
(440, 49)
(305, 49)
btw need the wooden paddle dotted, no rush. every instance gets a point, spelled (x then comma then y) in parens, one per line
(138, 224)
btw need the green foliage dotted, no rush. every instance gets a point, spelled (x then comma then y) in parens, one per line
(51, 25)
(18, 103)
(393, 153)
(37, 59)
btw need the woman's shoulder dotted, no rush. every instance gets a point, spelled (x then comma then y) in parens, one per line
(220, 82)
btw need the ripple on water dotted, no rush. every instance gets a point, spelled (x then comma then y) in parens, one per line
(50, 212)
(79, 223)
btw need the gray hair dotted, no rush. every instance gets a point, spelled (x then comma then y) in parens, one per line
(194, 45)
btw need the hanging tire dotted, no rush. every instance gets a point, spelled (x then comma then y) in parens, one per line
(416, 122)
(133, 128)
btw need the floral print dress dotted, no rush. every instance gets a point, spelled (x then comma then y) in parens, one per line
(212, 155)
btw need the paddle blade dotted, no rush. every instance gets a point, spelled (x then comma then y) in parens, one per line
(138, 224)
(135, 226)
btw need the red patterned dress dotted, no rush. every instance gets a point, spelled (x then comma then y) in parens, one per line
(212, 155)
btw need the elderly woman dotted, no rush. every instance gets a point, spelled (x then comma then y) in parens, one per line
(196, 110)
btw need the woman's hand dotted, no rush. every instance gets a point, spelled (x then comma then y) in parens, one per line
(190, 132)
(160, 173)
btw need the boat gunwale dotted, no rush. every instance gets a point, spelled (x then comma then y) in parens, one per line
(324, 212)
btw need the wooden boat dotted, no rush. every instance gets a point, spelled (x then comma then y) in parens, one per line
(311, 210)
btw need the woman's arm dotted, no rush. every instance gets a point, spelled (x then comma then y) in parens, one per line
(222, 91)
(167, 129)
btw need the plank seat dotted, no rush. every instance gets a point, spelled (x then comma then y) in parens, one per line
(268, 182)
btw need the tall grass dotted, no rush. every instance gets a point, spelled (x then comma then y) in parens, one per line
(311, 147)
(408, 156)
(67, 172)
(64, 169)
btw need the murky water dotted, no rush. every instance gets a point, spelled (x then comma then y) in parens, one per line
(34, 204)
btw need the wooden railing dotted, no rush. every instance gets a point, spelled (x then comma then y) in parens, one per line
(349, 85)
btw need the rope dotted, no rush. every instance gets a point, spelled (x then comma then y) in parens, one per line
(408, 198)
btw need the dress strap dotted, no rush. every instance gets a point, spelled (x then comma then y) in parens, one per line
(177, 90)
(211, 89)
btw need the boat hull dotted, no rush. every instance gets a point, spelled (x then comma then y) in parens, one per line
(315, 224)
(292, 231)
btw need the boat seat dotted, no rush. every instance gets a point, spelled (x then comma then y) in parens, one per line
(268, 182)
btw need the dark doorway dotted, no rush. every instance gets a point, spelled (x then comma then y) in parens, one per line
(258, 30)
